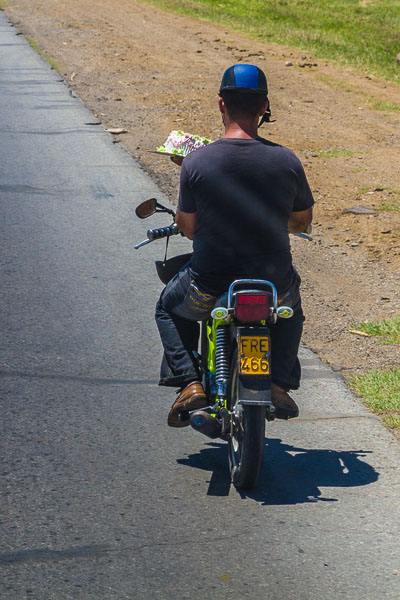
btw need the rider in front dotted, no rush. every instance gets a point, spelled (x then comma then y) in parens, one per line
(239, 199)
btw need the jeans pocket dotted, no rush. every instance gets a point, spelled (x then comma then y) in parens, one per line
(199, 302)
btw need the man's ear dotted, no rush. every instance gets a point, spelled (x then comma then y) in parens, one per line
(221, 105)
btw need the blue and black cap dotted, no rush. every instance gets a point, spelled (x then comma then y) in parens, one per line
(244, 78)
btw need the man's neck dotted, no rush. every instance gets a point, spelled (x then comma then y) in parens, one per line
(242, 130)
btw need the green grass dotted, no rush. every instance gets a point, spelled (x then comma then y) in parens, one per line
(390, 208)
(388, 330)
(373, 102)
(363, 34)
(335, 153)
(49, 59)
(384, 105)
(3, 4)
(380, 389)
(394, 203)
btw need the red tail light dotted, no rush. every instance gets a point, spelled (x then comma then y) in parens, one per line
(251, 307)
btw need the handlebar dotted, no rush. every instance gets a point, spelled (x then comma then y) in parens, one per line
(157, 234)
(304, 236)
(161, 232)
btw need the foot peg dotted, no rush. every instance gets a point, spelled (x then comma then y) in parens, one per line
(270, 412)
(205, 423)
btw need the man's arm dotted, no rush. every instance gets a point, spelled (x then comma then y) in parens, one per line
(300, 220)
(186, 223)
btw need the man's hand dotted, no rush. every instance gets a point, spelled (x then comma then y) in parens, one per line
(186, 223)
(178, 160)
(299, 221)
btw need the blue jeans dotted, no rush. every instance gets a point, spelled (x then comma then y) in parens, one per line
(182, 304)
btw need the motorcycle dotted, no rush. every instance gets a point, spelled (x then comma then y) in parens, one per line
(234, 361)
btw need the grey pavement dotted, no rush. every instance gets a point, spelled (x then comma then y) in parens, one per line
(99, 499)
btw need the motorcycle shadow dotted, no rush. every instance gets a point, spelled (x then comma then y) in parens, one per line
(290, 475)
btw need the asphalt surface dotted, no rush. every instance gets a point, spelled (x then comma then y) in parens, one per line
(99, 498)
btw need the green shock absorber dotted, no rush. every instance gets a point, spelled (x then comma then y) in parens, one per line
(222, 361)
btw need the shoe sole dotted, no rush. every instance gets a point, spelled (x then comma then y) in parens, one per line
(286, 413)
(193, 403)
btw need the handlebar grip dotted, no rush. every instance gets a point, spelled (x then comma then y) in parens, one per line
(161, 232)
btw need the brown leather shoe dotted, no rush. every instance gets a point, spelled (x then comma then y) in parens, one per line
(285, 406)
(192, 397)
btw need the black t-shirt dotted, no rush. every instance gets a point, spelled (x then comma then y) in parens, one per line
(242, 191)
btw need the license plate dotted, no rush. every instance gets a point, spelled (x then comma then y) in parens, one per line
(254, 355)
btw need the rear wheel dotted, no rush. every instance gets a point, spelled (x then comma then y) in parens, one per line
(246, 443)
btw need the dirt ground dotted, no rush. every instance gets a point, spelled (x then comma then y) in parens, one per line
(149, 72)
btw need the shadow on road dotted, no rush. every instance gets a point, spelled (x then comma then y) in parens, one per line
(290, 475)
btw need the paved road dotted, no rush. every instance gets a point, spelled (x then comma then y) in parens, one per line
(99, 498)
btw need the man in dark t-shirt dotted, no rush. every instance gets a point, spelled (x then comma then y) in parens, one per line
(239, 199)
(242, 192)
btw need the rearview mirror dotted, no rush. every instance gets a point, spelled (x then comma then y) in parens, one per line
(149, 207)
(146, 208)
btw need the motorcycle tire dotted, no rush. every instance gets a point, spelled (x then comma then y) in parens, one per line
(247, 440)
